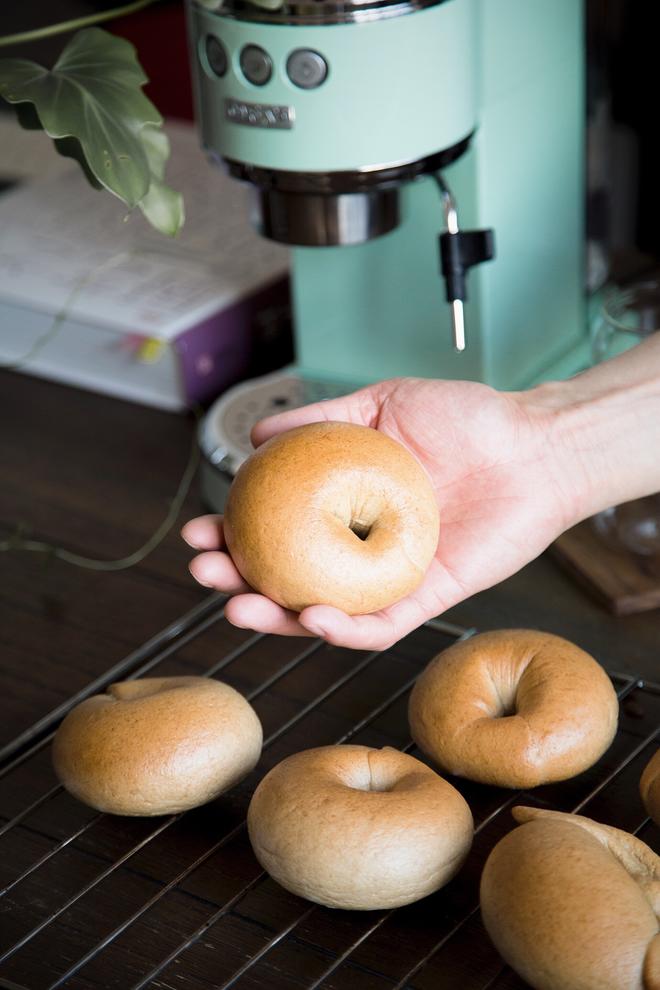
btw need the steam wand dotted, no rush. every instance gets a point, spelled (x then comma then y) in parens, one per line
(460, 250)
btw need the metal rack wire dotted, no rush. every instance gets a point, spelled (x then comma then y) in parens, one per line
(213, 918)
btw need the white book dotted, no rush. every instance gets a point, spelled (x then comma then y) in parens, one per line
(66, 247)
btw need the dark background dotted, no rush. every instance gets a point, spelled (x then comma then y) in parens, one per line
(157, 31)
(622, 109)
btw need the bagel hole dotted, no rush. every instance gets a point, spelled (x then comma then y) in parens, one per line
(361, 529)
(504, 700)
(507, 707)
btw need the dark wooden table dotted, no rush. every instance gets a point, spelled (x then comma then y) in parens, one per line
(96, 475)
(93, 475)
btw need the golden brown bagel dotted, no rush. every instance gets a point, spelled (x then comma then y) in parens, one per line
(649, 787)
(573, 905)
(514, 708)
(332, 514)
(157, 746)
(359, 828)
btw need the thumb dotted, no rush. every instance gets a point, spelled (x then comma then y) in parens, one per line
(359, 407)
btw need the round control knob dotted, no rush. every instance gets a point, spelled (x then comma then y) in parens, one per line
(306, 68)
(216, 56)
(256, 65)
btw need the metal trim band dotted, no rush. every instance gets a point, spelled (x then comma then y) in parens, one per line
(354, 181)
(314, 12)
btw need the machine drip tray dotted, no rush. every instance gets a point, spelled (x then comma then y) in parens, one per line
(92, 900)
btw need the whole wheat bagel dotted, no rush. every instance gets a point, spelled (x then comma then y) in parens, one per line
(332, 514)
(514, 708)
(157, 745)
(649, 787)
(359, 828)
(574, 905)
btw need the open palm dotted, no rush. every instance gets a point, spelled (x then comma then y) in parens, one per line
(501, 501)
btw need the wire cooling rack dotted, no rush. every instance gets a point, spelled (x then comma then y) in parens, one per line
(89, 900)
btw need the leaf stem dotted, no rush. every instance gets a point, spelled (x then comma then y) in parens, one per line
(75, 24)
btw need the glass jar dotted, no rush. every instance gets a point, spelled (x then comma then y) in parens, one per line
(627, 316)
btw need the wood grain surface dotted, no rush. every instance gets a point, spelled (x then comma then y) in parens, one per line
(107, 903)
(623, 581)
(96, 475)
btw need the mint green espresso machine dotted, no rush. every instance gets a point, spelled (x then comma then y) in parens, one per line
(424, 160)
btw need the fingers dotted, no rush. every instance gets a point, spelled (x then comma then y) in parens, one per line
(214, 569)
(251, 611)
(217, 570)
(377, 631)
(380, 630)
(204, 533)
(359, 407)
(365, 632)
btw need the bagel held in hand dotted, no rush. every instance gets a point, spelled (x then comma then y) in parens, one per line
(574, 905)
(649, 787)
(514, 708)
(157, 746)
(358, 828)
(332, 514)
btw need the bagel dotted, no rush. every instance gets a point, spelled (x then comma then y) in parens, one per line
(332, 514)
(574, 905)
(358, 828)
(156, 746)
(649, 787)
(513, 708)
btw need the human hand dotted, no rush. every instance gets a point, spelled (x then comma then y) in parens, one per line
(503, 495)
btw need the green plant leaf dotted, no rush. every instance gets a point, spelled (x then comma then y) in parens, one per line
(162, 206)
(91, 103)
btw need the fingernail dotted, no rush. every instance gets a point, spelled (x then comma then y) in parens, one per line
(315, 629)
(239, 625)
(205, 584)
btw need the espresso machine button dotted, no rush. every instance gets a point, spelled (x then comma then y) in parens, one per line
(306, 69)
(216, 56)
(256, 65)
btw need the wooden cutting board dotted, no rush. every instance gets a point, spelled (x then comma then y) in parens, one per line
(623, 581)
